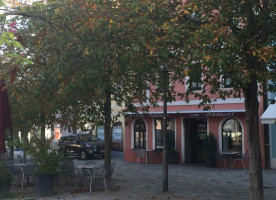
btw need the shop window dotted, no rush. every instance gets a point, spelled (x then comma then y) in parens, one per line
(195, 79)
(231, 136)
(100, 132)
(140, 134)
(170, 133)
(117, 131)
(226, 82)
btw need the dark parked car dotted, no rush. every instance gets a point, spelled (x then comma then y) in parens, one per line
(83, 145)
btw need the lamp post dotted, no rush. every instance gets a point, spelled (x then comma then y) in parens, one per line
(165, 71)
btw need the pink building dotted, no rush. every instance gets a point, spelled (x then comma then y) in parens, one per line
(188, 125)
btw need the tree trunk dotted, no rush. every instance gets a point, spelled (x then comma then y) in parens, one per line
(107, 131)
(12, 141)
(25, 140)
(42, 137)
(164, 131)
(252, 123)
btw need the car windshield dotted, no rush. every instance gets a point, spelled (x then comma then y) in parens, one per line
(88, 138)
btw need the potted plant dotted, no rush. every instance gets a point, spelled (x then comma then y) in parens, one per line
(209, 150)
(47, 161)
(173, 156)
(5, 180)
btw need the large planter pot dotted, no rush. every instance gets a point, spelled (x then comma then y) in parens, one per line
(211, 162)
(44, 184)
(5, 189)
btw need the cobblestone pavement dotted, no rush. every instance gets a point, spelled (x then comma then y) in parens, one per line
(144, 182)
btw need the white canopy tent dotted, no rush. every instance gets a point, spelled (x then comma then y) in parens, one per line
(269, 116)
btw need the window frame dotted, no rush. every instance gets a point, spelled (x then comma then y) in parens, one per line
(97, 133)
(240, 150)
(112, 130)
(223, 80)
(155, 123)
(199, 84)
(144, 135)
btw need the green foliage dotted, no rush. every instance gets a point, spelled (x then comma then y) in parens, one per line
(233, 39)
(209, 147)
(46, 158)
(1, 3)
(5, 176)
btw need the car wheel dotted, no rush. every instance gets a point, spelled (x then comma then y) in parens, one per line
(83, 155)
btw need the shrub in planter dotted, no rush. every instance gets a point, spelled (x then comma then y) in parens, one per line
(209, 150)
(173, 156)
(5, 180)
(47, 161)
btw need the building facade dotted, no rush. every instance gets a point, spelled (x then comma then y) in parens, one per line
(118, 127)
(269, 119)
(188, 126)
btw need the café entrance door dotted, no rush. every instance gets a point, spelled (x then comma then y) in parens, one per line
(195, 134)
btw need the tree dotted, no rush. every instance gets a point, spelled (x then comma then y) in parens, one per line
(10, 53)
(87, 47)
(234, 40)
(225, 41)
(115, 49)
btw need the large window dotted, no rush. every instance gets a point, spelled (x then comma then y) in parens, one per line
(117, 131)
(170, 133)
(231, 136)
(195, 78)
(140, 134)
(226, 82)
(100, 132)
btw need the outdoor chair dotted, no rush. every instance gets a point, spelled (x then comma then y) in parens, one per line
(78, 176)
(139, 153)
(86, 174)
(157, 154)
(99, 175)
(112, 168)
(221, 158)
(87, 177)
(66, 170)
(108, 178)
(14, 169)
(241, 159)
(27, 170)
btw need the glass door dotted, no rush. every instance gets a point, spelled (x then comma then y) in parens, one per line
(195, 134)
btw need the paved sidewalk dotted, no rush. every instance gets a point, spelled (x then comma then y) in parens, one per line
(191, 182)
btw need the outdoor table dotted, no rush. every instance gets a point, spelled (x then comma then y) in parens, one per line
(88, 167)
(230, 156)
(83, 166)
(148, 155)
(86, 171)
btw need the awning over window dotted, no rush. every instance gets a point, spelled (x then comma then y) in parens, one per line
(269, 116)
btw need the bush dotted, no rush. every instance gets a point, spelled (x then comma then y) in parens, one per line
(5, 176)
(46, 158)
(209, 147)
